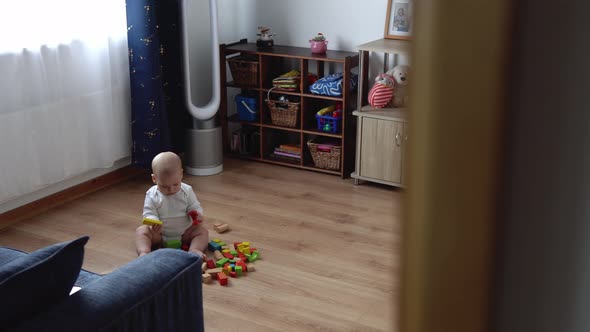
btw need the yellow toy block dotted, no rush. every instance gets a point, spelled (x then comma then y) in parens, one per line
(151, 222)
(217, 240)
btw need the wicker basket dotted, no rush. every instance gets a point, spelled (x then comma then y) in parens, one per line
(283, 113)
(244, 71)
(325, 156)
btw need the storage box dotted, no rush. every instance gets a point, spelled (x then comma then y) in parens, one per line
(244, 70)
(247, 107)
(325, 154)
(328, 124)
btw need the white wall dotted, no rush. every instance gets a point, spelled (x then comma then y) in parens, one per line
(345, 23)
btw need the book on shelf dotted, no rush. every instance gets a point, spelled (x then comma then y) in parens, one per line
(286, 154)
(291, 147)
(298, 153)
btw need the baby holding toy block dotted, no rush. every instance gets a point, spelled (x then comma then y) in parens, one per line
(175, 204)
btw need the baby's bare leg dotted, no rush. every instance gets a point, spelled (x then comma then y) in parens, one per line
(198, 239)
(145, 238)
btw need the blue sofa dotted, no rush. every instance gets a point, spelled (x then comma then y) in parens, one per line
(161, 291)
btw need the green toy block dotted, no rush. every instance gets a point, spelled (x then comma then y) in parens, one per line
(174, 244)
(221, 262)
(238, 270)
(233, 252)
(253, 257)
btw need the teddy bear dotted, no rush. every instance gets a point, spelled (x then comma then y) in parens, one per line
(382, 91)
(400, 74)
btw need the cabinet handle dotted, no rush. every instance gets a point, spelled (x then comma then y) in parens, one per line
(397, 139)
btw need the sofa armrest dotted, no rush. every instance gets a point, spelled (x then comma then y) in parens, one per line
(161, 291)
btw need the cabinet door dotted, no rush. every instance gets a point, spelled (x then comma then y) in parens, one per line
(381, 149)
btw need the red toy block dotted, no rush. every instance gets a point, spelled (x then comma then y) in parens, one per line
(184, 247)
(228, 255)
(252, 250)
(233, 274)
(195, 217)
(236, 245)
(210, 264)
(243, 265)
(242, 256)
(222, 278)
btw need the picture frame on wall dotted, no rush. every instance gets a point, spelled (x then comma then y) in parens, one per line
(399, 19)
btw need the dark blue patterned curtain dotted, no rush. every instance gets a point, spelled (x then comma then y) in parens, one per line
(159, 116)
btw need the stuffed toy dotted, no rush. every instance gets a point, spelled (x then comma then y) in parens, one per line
(400, 75)
(382, 91)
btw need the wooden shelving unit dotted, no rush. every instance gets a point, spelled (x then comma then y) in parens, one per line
(382, 133)
(262, 136)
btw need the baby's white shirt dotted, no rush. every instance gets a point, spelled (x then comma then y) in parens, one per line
(172, 210)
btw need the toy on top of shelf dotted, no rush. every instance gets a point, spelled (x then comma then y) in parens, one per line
(319, 44)
(381, 93)
(265, 40)
(400, 74)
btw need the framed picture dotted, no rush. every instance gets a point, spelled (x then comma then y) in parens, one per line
(399, 19)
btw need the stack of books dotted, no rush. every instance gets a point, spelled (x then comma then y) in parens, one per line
(288, 81)
(291, 152)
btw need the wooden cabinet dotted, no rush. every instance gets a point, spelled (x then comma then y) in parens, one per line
(381, 133)
(260, 138)
(381, 140)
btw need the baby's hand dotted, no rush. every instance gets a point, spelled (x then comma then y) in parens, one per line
(157, 228)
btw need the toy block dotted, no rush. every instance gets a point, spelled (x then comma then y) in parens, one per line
(226, 270)
(255, 256)
(222, 278)
(221, 262)
(232, 267)
(204, 266)
(194, 214)
(250, 267)
(215, 271)
(236, 245)
(174, 244)
(253, 250)
(210, 264)
(214, 246)
(228, 255)
(225, 247)
(233, 274)
(233, 252)
(242, 256)
(233, 260)
(184, 247)
(224, 250)
(151, 222)
(216, 240)
(239, 270)
(207, 278)
(221, 228)
(218, 255)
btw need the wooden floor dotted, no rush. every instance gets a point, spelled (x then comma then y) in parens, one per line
(329, 249)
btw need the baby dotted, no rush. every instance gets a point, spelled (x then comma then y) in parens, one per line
(172, 202)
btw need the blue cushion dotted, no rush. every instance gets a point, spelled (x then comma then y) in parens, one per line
(33, 283)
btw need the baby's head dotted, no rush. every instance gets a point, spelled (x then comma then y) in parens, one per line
(167, 172)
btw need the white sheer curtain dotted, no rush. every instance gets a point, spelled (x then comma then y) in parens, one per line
(64, 91)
